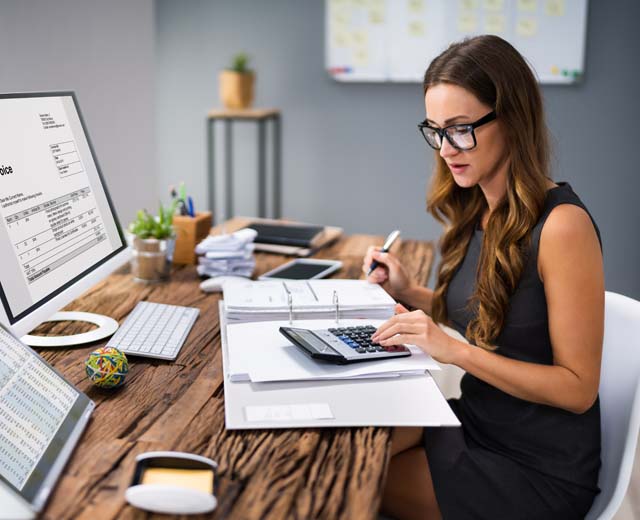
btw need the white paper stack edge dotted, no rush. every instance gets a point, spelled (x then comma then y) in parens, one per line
(310, 299)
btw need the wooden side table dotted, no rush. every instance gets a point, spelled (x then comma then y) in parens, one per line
(261, 117)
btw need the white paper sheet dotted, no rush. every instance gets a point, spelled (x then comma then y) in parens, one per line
(258, 352)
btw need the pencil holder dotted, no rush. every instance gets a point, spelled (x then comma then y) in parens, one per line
(189, 232)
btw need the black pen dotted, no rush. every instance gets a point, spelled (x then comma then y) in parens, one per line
(387, 245)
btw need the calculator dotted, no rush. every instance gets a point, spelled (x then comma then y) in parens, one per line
(342, 345)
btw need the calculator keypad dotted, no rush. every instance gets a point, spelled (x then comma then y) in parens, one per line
(359, 339)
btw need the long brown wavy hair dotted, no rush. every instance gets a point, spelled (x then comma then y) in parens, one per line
(496, 73)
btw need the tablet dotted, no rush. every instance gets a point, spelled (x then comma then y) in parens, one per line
(303, 269)
(41, 419)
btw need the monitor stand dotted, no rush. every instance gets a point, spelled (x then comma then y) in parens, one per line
(106, 327)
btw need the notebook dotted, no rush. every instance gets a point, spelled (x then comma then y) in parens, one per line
(299, 235)
(286, 237)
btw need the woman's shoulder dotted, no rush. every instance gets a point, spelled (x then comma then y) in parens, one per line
(564, 216)
(568, 233)
(567, 223)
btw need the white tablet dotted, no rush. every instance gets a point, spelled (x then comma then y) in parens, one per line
(303, 269)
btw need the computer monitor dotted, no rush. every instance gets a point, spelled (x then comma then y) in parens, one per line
(59, 233)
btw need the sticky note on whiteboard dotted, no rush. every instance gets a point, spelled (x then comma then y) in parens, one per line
(467, 23)
(527, 27)
(290, 412)
(494, 5)
(416, 6)
(495, 24)
(554, 7)
(416, 28)
(527, 5)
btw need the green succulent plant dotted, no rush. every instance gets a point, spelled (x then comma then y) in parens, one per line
(240, 63)
(147, 226)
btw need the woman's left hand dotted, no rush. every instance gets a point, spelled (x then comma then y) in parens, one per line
(416, 328)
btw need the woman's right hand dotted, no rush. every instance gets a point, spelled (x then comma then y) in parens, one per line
(390, 273)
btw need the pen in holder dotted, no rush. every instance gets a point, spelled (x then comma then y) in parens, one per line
(337, 304)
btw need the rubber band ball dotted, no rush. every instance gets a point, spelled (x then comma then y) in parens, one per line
(107, 367)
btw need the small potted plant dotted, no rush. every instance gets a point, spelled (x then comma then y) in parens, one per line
(236, 83)
(152, 240)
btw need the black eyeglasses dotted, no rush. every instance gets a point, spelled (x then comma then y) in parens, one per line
(460, 136)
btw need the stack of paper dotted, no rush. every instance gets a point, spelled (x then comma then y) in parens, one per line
(305, 299)
(257, 352)
(227, 254)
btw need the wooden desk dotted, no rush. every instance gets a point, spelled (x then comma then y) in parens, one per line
(328, 473)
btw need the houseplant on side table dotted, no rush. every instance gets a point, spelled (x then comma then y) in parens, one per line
(237, 84)
(152, 240)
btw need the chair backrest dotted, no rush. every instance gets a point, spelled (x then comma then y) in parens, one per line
(619, 402)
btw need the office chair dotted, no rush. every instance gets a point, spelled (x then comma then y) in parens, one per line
(619, 402)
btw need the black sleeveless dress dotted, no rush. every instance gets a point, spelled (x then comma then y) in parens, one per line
(514, 458)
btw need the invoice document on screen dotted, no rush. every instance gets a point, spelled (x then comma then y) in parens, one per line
(55, 219)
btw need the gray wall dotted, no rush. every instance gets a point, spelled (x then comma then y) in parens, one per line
(105, 52)
(352, 155)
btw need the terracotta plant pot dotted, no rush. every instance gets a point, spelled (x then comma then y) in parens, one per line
(236, 89)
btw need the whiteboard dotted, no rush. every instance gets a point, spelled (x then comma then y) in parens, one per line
(395, 40)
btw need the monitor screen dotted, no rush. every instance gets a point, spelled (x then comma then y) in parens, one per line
(57, 222)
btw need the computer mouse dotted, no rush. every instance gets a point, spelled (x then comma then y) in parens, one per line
(215, 284)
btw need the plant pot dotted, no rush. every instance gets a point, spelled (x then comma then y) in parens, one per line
(151, 260)
(236, 89)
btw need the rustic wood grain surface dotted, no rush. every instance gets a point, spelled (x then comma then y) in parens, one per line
(299, 473)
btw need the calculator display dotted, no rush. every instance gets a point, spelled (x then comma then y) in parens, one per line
(312, 339)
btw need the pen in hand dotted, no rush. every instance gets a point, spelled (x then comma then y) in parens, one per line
(385, 248)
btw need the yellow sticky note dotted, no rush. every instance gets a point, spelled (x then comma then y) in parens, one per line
(554, 8)
(416, 28)
(341, 17)
(467, 23)
(527, 5)
(200, 479)
(360, 37)
(495, 24)
(376, 15)
(555, 70)
(526, 27)
(341, 39)
(361, 58)
(468, 5)
(494, 5)
(415, 6)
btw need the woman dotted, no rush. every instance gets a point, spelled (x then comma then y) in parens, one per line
(521, 277)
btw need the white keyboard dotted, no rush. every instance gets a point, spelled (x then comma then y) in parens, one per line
(155, 330)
